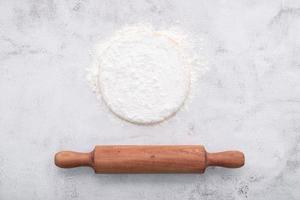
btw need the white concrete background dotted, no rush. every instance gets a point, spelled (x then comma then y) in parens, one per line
(249, 100)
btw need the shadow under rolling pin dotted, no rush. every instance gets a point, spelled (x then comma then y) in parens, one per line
(149, 159)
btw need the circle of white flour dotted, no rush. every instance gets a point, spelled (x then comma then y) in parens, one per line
(143, 76)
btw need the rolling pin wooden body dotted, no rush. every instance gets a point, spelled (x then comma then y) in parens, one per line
(149, 159)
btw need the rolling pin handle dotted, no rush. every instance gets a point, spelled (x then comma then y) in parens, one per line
(70, 159)
(229, 159)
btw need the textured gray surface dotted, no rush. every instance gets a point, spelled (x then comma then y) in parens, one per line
(249, 100)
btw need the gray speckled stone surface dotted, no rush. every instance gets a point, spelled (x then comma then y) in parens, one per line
(249, 100)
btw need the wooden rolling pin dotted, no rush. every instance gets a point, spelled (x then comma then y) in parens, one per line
(149, 159)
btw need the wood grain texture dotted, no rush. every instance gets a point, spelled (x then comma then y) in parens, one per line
(149, 159)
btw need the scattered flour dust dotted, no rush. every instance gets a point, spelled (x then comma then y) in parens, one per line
(143, 75)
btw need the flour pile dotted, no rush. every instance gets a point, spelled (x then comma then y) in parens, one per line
(143, 75)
